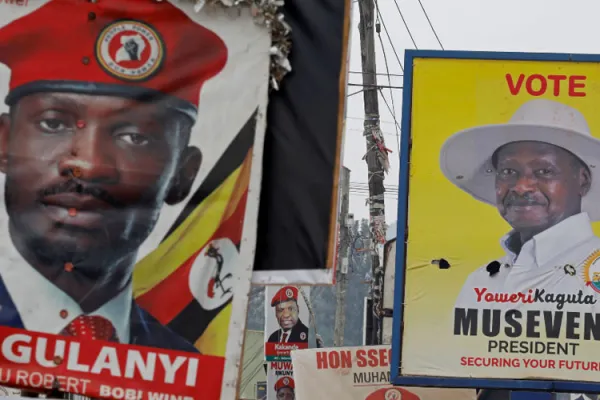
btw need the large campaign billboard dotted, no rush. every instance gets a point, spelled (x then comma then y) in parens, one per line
(498, 281)
(357, 373)
(131, 146)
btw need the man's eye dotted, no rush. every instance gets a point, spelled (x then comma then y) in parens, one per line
(544, 172)
(506, 171)
(134, 139)
(52, 125)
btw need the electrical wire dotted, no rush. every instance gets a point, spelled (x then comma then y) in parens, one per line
(405, 24)
(374, 86)
(431, 25)
(357, 92)
(363, 118)
(389, 38)
(363, 131)
(393, 112)
(375, 73)
(363, 184)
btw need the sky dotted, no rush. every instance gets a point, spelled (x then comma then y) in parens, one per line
(485, 25)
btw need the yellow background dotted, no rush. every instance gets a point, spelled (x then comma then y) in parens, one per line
(445, 222)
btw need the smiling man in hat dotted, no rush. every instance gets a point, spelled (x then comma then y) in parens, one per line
(103, 96)
(292, 330)
(538, 171)
(284, 388)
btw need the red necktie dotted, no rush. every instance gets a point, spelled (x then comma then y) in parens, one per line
(91, 327)
(284, 337)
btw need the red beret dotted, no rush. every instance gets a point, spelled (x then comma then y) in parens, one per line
(286, 293)
(392, 394)
(285, 382)
(131, 48)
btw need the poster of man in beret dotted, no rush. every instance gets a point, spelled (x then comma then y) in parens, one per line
(118, 117)
(286, 319)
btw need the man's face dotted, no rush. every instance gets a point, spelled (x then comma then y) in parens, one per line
(287, 314)
(285, 394)
(538, 185)
(86, 176)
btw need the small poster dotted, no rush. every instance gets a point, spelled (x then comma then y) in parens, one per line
(286, 321)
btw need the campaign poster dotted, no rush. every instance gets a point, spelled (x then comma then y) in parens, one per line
(280, 381)
(500, 275)
(299, 210)
(131, 138)
(261, 390)
(358, 373)
(286, 321)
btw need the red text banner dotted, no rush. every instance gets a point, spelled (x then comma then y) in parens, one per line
(106, 370)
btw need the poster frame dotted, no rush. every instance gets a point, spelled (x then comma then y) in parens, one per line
(405, 153)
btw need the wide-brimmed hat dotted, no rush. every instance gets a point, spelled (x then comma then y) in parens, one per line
(466, 157)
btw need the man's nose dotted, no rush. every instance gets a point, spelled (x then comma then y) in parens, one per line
(90, 158)
(525, 184)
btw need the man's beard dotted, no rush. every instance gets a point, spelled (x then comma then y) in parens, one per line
(95, 262)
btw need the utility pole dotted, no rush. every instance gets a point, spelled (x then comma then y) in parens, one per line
(376, 156)
(342, 264)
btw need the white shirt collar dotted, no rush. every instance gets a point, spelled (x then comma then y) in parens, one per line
(39, 302)
(554, 240)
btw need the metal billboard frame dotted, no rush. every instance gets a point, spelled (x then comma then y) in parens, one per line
(451, 382)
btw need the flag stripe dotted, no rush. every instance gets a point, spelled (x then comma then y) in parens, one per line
(169, 297)
(231, 159)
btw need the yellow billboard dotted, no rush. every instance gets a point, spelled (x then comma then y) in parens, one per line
(500, 275)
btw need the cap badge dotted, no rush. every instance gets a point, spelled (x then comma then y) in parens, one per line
(393, 394)
(286, 381)
(130, 50)
(289, 293)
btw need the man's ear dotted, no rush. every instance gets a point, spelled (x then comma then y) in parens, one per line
(182, 182)
(585, 181)
(4, 137)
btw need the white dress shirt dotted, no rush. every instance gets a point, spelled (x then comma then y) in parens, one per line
(280, 334)
(42, 306)
(541, 264)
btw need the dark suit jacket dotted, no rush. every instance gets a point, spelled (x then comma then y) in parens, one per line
(144, 329)
(294, 334)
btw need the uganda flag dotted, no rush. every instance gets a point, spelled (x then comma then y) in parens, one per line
(187, 282)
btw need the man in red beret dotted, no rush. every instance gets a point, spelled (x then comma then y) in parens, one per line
(284, 388)
(103, 97)
(291, 330)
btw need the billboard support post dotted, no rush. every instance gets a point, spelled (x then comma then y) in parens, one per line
(342, 265)
(376, 156)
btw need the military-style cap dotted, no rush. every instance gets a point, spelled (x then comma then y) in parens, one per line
(285, 382)
(392, 394)
(130, 48)
(284, 294)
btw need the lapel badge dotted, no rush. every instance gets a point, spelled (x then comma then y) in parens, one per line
(493, 268)
(570, 270)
